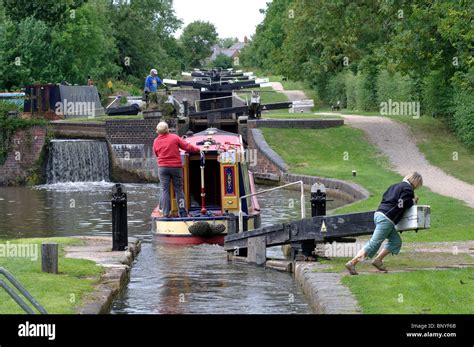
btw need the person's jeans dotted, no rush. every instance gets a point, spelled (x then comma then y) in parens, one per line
(166, 175)
(384, 229)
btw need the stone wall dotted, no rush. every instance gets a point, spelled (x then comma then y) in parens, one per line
(77, 130)
(25, 150)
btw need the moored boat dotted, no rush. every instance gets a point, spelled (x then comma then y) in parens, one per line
(214, 182)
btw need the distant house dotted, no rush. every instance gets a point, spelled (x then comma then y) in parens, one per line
(232, 52)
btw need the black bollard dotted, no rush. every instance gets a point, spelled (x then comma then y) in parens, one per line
(119, 219)
(318, 200)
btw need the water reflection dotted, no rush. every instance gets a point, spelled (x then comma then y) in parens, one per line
(198, 279)
(165, 279)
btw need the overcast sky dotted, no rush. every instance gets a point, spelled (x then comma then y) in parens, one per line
(232, 18)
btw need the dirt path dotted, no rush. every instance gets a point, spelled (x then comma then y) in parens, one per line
(292, 95)
(397, 142)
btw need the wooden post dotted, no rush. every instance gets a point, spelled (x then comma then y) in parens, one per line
(49, 257)
(257, 250)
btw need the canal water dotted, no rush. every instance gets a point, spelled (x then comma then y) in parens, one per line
(164, 278)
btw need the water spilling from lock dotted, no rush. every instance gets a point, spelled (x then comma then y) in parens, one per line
(77, 161)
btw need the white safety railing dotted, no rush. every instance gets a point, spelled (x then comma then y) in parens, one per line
(241, 213)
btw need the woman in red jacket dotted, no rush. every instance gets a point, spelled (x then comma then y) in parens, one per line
(170, 166)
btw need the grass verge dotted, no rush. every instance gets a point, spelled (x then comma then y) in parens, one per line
(335, 152)
(418, 292)
(59, 294)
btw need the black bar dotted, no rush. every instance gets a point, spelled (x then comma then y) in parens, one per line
(119, 220)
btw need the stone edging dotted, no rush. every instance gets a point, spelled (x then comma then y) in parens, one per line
(267, 150)
(325, 291)
(117, 270)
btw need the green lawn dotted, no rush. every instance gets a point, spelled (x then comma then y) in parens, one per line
(335, 152)
(268, 96)
(439, 145)
(405, 261)
(58, 294)
(428, 292)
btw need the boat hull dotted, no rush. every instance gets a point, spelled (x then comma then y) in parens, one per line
(190, 240)
(176, 230)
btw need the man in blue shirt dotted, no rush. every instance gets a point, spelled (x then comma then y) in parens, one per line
(152, 82)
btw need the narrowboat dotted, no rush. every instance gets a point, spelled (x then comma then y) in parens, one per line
(214, 182)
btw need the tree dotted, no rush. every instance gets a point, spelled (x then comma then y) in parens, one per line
(143, 32)
(85, 45)
(49, 11)
(222, 61)
(265, 49)
(198, 38)
(227, 42)
(26, 55)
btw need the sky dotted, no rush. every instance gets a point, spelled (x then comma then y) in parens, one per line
(232, 18)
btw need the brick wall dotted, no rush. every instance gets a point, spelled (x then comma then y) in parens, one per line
(25, 150)
(131, 144)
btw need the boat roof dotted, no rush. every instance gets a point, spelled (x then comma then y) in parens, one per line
(217, 139)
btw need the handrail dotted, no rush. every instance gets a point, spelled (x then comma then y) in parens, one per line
(303, 211)
(22, 290)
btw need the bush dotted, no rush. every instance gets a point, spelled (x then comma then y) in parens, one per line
(461, 118)
(363, 100)
(350, 84)
(336, 90)
(395, 87)
(222, 61)
(437, 95)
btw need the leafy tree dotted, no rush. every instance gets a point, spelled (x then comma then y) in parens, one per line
(227, 42)
(49, 11)
(143, 33)
(222, 61)
(265, 48)
(26, 54)
(198, 38)
(85, 45)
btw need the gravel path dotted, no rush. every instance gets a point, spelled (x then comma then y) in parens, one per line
(292, 95)
(397, 142)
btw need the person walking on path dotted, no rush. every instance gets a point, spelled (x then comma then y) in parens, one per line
(395, 201)
(170, 167)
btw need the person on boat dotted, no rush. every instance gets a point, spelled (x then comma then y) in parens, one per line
(396, 200)
(170, 167)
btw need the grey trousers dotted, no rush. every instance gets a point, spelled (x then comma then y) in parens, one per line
(166, 175)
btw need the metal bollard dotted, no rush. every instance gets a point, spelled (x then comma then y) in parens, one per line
(318, 200)
(119, 219)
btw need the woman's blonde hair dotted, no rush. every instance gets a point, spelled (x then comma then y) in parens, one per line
(415, 180)
(162, 128)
